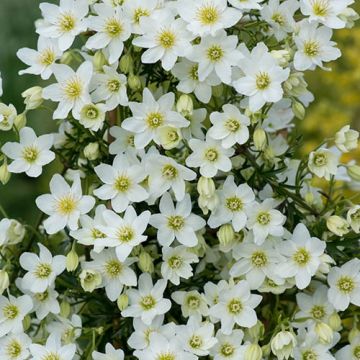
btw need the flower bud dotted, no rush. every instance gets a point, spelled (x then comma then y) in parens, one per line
(99, 60)
(134, 82)
(206, 186)
(67, 58)
(354, 172)
(283, 344)
(281, 56)
(4, 173)
(226, 234)
(90, 280)
(91, 151)
(20, 121)
(346, 139)
(337, 225)
(353, 218)
(256, 332)
(122, 302)
(126, 64)
(353, 333)
(72, 260)
(349, 15)
(309, 198)
(146, 263)
(260, 139)
(26, 322)
(298, 109)
(324, 332)
(335, 321)
(208, 203)
(65, 309)
(185, 105)
(16, 232)
(33, 97)
(170, 137)
(4, 281)
(253, 352)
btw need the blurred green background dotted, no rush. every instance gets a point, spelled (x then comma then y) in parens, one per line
(337, 96)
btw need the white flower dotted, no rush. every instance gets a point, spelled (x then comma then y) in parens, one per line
(11, 232)
(64, 205)
(197, 337)
(93, 116)
(311, 347)
(52, 349)
(236, 306)
(135, 10)
(231, 127)
(187, 72)
(206, 17)
(344, 285)
(262, 81)
(246, 4)
(31, 153)
(177, 263)
(165, 38)
(234, 200)
(68, 330)
(303, 254)
(264, 220)
(150, 116)
(323, 163)
(337, 225)
(15, 347)
(109, 86)
(13, 310)
(147, 300)
(346, 139)
(351, 351)
(112, 29)
(124, 141)
(280, 16)
(42, 269)
(110, 354)
(176, 222)
(165, 173)
(121, 183)
(115, 273)
(192, 303)
(353, 218)
(216, 54)
(71, 91)
(40, 62)
(326, 12)
(209, 156)
(314, 47)
(228, 347)
(283, 344)
(125, 232)
(7, 116)
(162, 348)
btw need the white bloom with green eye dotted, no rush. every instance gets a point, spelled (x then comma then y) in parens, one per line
(12, 313)
(192, 303)
(115, 273)
(176, 222)
(314, 46)
(31, 153)
(135, 10)
(323, 163)
(41, 270)
(146, 302)
(234, 200)
(71, 90)
(187, 72)
(123, 232)
(110, 353)
(264, 220)
(230, 126)
(303, 256)
(246, 4)
(150, 116)
(236, 306)
(216, 54)
(121, 182)
(344, 285)
(209, 156)
(52, 350)
(262, 81)
(177, 263)
(351, 351)
(64, 205)
(206, 17)
(15, 347)
(228, 347)
(165, 38)
(92, 116)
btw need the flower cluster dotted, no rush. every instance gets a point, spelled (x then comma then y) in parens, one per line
(182, 224)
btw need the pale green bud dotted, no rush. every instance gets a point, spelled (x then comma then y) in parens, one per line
(99, 60)
(33, 97)
(90, 280)
(170, 137)
(208, 203)
(218, 90)
(256, 332)
(337, 225)
(206, 186)
(335, 321)
(126, 64)
(20, 121)
(4, 281)
(260, 139)
(122, 302)
(298, 109)
(309, 198)
(354, 172)
(67, 58)
(185, 105)
(72, 260)
(324, 332)
(65, 309)
(91, 151)
(134, 82)
(26, 322)
(253, 352)
(353, 333)
(4, 173)
(226, 234)
(146, 263)
(281, 56)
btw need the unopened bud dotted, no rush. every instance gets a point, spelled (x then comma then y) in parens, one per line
(226, 234)
(90, 280)
(126, 64)
(298, 109)
(91, 151)
(99, 60)
(256, 332)
(26, 322)
(146, 263)
(122, 302)
(324, 332)
(283, 344)
(253, 352)
(4, 173)
(335, 321)
(260, 139)
(134, 82)
(4, 281)
(67, 58)
(20, 121)
(354, 172)
(185, 105)
(72, 260)
(337, 225)
(65, 309)
(33, 97)
(206, 186)
(353, 333)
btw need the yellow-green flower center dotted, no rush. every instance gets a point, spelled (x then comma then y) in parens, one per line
(211, 154)
(47, 57)
(278, 18)
(139, 13)
(235, 306)
(113, 27)
(113, 268)
(11, 311)
(155, 120)
(91, 112)
(41, 297)
(176, 222)
(311, 48)
(43, 271)
(148, 302)
(67, 22)
(125, 234)
(208, 15)
(232, 125)
(193, 302)
(195, 342)
(263, 218)
(215, 53)
(30, 154)
(175, 262)
(73, 88)
(122, 184)
(13, 349)
(165, 356)
(356, 352)
(262, 81)
(234, 204)
(51, 356)
(320, 7)
(166, 39)
(194, 72)
(318, 312)
(169, 172)
(66, 205)
(227, 350)
(309, 355)
(259, 259)
(302, 257)
(346, 284)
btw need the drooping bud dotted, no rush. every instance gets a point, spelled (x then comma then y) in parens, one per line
(4, 281)
(134, 82)
(20, 121)
(253, 352)
(185, 105)
(65, 309)
(324, 332)
(335, 321)
(126, 64)
(146, 263)
(206, 186)
(33, 97)
(337, 225)
(354, 172)
(260, 139)
(4, 173)
(226, 234)
(91, 151)
(99, 60)
(283, 344)
(72, 259)
(90, 280)
(298, 109)
(122, 302)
